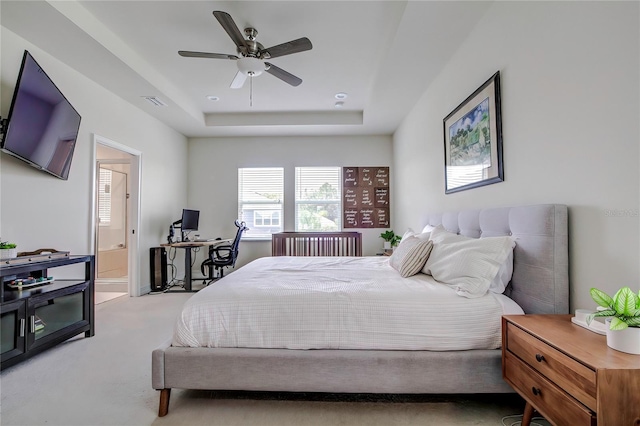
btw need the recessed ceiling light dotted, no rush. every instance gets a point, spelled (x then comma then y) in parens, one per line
(213, 98)
(339, 104)
(341, 95)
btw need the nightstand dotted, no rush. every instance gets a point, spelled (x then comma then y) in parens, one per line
(568, 373)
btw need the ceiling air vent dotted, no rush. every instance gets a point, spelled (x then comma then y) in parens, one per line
(156, 101)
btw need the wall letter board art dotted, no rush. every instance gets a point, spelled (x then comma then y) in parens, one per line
(365, 197)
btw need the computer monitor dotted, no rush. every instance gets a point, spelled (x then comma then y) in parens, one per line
(190, 220)
(188, 223)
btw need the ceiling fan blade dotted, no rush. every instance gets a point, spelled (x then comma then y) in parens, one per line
(282, 74)
(238, 80)
(189, 54)
(293, 46)
(231, 28)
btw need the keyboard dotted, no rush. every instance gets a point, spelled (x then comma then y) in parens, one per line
(204, 240)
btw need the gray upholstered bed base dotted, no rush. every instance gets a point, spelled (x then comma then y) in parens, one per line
(540, 284)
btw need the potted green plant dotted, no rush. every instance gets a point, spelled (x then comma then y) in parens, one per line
(623, 317)
(8, 250)
(390, 239)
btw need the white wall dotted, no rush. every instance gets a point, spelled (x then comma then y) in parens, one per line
(570, 107)
(213, 178)
(41, 211)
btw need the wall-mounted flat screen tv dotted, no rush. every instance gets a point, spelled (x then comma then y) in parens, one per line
(42, 125)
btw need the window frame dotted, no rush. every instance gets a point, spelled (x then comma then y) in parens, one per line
(249, 181)
(337, 201)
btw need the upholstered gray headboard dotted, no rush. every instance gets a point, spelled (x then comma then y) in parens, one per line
(540, 283)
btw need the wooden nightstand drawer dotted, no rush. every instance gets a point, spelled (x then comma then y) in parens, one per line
(578, 373)
(555, 404)
(575, 378)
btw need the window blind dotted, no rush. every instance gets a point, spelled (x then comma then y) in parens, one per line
(318, 198)
(104, 197)
(260, 200)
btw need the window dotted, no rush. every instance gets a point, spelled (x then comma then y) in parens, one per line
(318, 200)
(104, 197)
(266, 218)
(260, 200)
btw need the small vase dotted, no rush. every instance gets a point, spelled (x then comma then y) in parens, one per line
(8, 253)
(627, 340)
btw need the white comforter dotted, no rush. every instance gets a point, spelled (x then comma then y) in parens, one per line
(335, 303)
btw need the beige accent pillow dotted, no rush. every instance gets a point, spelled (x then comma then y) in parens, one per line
(410, 255)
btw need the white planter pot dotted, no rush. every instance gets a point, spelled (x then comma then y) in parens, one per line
(387, 245)
(8, 253)
(627, 340)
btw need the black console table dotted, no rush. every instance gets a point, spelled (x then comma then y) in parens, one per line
(34, 319)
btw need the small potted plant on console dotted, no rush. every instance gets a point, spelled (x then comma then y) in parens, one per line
(623, 312)
(390, 239)
(8, 250)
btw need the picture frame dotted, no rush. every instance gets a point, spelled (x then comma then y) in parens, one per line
(473, 140)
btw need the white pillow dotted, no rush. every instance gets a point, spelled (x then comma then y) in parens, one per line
(467, 264)
(410, 255)
(428, 228)
(424, 236)
(503, 277)
(409, 233)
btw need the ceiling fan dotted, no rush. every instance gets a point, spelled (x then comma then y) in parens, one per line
(251, 54)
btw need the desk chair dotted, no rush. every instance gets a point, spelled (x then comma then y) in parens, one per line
(223, 255)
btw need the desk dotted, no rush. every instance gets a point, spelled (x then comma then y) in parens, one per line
(188, 245)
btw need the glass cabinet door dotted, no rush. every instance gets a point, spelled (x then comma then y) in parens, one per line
(57, 314)
(59, 311)
(12, 329)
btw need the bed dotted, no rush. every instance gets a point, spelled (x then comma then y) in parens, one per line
(539, 284)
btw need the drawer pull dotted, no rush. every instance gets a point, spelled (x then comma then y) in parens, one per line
(539, 357)
(536, 391)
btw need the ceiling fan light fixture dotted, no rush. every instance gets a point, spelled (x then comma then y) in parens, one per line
(250, 66)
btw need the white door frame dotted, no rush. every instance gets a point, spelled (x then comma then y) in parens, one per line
(134, 205)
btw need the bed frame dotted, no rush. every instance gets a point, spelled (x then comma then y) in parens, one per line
(540, 285)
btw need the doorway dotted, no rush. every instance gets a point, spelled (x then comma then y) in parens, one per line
(112, 248)
(115, 219)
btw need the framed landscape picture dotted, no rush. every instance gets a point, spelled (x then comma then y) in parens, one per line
(473, 140)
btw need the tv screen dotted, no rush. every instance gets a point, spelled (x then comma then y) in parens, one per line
(42, 125)
(190, 220)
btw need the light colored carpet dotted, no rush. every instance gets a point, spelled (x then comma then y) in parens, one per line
(105, 296)
(106, 380)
